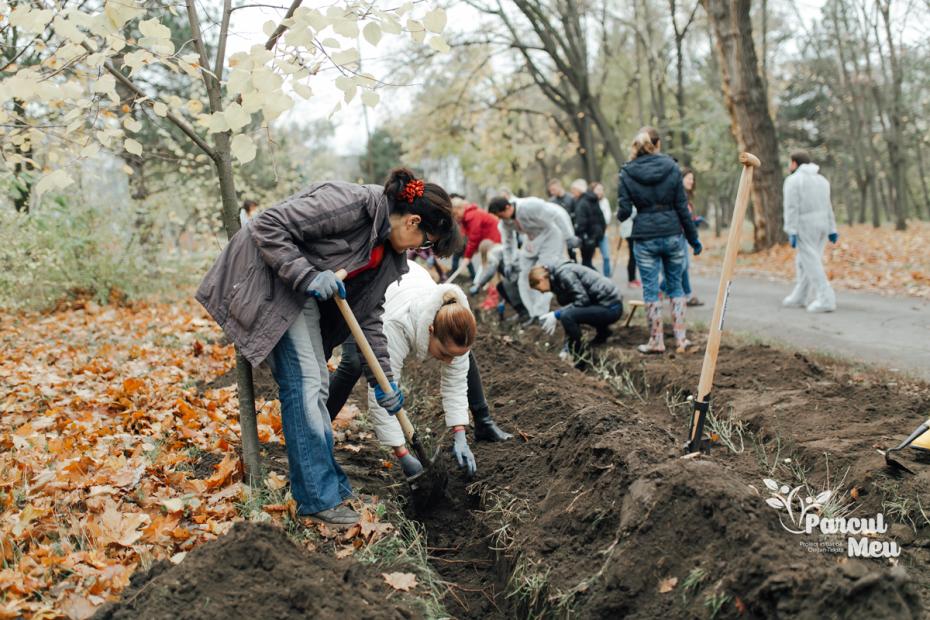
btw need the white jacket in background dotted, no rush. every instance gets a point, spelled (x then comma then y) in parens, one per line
(605, 209)
(410, 306)
(546, 225)
(807, 202)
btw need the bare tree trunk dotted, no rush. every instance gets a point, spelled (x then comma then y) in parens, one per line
(921, 173)
(22, 170)
(680, 34)
(897, 160)
(747, 103)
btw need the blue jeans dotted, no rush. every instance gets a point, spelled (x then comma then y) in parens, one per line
(685, 278)
(299, 368)
(604, 246)
(665, 256)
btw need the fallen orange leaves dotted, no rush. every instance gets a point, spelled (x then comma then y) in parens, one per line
(106, 422)
(865, 258)
(101, 425)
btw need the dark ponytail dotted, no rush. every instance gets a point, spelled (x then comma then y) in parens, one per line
(433, 205)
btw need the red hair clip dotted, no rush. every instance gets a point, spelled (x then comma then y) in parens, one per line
(412, 191)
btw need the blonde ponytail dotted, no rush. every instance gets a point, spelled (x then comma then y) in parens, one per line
(454, 322)
(646, 142)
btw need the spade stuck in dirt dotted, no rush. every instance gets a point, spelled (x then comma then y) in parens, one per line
(428, 487)
(918, 440)
(701, 404)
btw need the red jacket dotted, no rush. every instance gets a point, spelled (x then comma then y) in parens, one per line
(478, 225)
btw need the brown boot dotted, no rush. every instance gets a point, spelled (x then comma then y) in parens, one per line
(656, 342)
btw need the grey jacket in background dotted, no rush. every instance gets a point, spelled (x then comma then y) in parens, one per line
(256, 288)
(580, 286)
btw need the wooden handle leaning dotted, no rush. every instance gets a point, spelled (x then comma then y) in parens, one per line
(369, 355)
(749, 162)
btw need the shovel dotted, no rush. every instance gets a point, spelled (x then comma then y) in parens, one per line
(897, 465)
(429, 486)
(701, 404)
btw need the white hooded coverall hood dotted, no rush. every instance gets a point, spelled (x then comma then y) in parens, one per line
(809, 215)
(410, 306)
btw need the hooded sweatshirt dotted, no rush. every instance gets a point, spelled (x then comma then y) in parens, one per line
(807, 202)
(410, 306)
(652, 184)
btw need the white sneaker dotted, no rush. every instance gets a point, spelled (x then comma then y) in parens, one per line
(792, 301)
(819, 306)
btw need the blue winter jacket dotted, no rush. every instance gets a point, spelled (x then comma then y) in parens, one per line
(652, 184)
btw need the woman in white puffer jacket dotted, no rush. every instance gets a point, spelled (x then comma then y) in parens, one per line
(428, 320)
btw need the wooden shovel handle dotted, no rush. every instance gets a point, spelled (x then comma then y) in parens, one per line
(370, 358)
(749, 162)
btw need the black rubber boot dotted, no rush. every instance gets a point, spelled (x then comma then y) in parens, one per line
(486, 429)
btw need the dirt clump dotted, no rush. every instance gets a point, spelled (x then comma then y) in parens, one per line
(256, 572)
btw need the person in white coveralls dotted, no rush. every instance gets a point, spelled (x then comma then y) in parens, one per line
(548, 229)
(809, 222)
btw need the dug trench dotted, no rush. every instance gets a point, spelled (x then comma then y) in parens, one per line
(592, 512)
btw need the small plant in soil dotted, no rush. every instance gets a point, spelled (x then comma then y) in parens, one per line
(729, 430)
(762, 454)
(714, 602)
(615, 373)
(896, 506)
(692, 583)
(677, 403)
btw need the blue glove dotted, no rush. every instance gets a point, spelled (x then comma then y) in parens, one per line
(473, 290)
(833, 237)
(325, 285)
(462, 453)
(697, 247)
(793, 240)
(392, 402)
(410, 464)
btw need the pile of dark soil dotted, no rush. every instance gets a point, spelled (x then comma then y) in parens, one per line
(256, 572)
(593, 509)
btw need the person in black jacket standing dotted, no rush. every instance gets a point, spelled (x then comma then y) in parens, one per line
(586, 297)
(652, 183)
(589, 220)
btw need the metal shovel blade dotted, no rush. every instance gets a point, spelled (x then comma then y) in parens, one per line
(427, 488)
(894, 464)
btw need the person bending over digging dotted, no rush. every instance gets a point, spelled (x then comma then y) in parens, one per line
(586, 297)
(548, 229)
(508, 285)
(271, 291)
(478, 226)
(427, 320)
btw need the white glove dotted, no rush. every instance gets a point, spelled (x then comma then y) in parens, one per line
(548, 322)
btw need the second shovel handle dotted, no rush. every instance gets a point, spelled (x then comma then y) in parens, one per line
(362, 342)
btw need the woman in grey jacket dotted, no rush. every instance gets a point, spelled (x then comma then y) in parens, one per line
(271, 291)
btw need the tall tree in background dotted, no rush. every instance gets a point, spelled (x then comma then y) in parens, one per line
(746, 100)
(552, 38)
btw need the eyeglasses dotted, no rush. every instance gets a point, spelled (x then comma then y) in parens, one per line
(427, 242)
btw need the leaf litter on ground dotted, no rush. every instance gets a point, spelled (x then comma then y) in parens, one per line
(105, 416)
